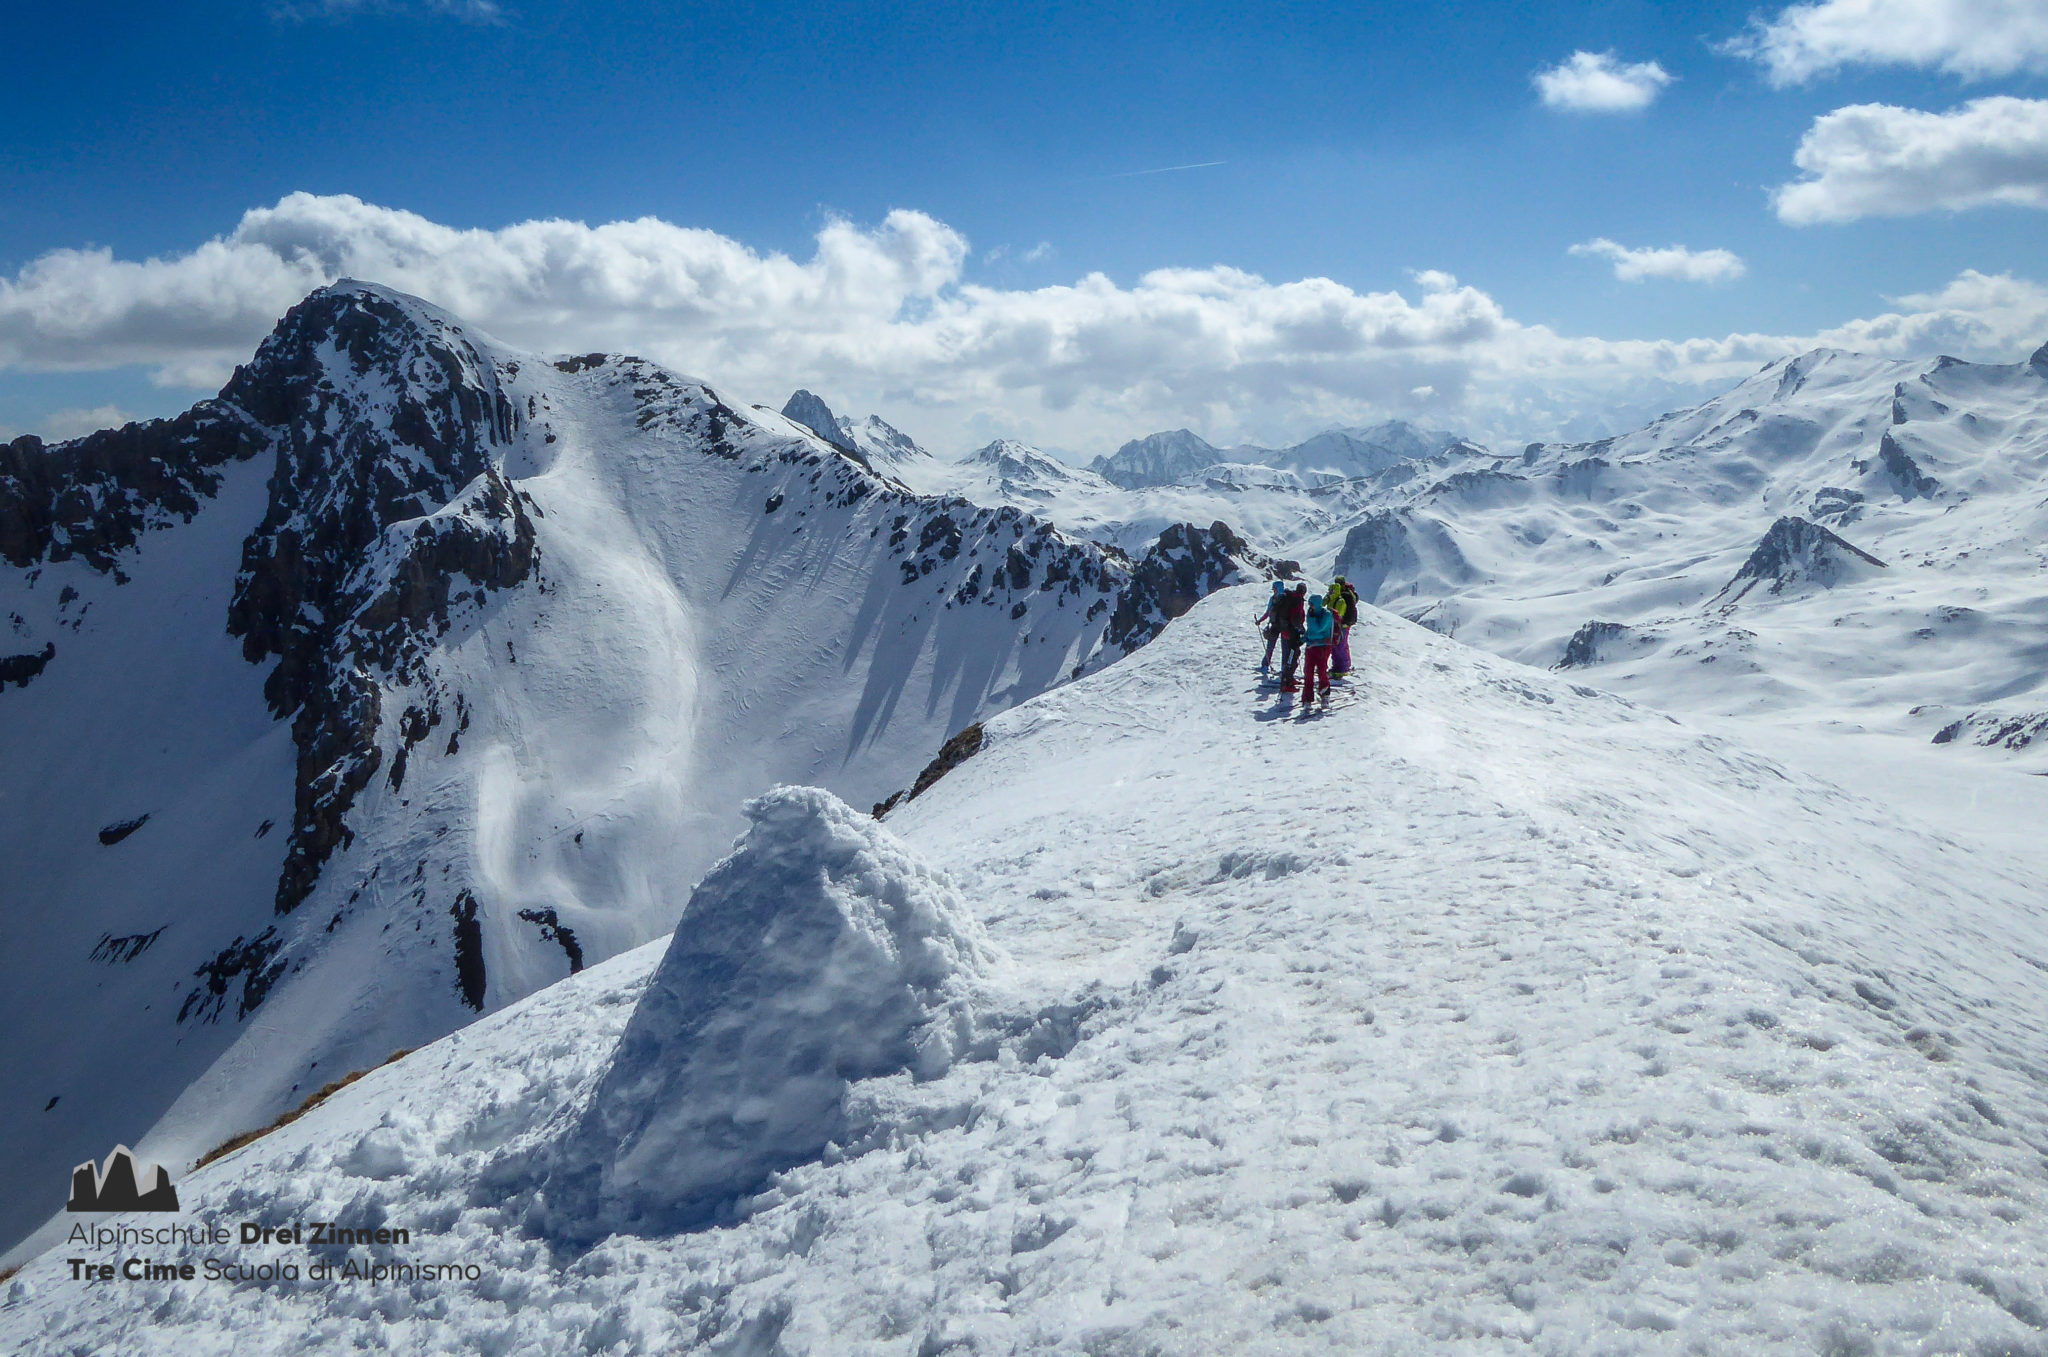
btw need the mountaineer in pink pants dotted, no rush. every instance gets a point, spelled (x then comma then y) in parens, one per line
(1319, 637)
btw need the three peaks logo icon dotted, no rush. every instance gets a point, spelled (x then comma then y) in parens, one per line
(119, 1187)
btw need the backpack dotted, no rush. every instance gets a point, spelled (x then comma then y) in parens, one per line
(1350, 605)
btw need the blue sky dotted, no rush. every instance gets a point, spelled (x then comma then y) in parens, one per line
(1358, 144)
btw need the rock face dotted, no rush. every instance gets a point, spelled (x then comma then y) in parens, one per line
(93, 497)
(812, 412)
(1184, 566)
(1793, 554)
(19, 669)
(882, 443)
(1905, 473)
(354, 461)
(821, 952)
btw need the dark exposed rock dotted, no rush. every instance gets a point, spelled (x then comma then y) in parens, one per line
(2000, 730)
(812, 412)
(469, 951)
(1184, 566)
(1898, 464)
(121, 829)
(1587, 643)
(114, 951)
(19, 669)
(1795, 552)
(251, 961)
(92, 498)
(552, 929)
(1392, 551)
(416, 473)
(952, 754)
(1843, 506)
(2039, 362)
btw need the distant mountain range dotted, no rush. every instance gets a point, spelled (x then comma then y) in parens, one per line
(1168, 458)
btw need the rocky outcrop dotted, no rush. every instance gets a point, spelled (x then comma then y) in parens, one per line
(812, 412)
(92, 498)
(1795, 553)
(19, 669)
(1157, 459)
(1589, 645)
(1183, 567)
(951, 755)
(1996, 730)
(1896, 464)
(385, 421)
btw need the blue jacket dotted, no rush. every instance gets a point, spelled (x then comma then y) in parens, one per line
(1322, 625)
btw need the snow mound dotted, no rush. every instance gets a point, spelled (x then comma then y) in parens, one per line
(820, 952)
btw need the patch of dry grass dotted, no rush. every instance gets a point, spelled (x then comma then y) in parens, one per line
(229, 1146)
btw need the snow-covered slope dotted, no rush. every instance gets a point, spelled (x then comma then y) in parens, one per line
(461, 699)
(1487, 1011)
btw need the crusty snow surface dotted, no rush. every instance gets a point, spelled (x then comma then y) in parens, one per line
(1484, 1012)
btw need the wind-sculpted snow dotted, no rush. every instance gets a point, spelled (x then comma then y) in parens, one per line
(1488, 1012)
(820, 953)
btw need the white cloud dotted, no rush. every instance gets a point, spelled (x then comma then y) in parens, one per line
(882, 319)
(61, 424)
(1675, 261)
(1597, 82)
(1876, 160)
(1970, 38)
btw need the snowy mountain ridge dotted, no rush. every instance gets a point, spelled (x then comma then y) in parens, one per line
(414, 673)
(1172, 457)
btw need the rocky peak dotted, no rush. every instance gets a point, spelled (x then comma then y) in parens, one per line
(387, 423)
(1793, 552)
(1157, 459)
(812, 412)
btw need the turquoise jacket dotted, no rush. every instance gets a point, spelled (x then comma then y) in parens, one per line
(1322, 625)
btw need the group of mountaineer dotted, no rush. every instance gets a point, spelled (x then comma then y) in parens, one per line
(1314, 630)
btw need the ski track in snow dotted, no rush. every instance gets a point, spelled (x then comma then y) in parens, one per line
(1487, 1012)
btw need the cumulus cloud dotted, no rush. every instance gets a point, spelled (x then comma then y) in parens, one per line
(1598, 82)
(1674, 261)
(1970, 38)
(1877, 160)
(885, 318)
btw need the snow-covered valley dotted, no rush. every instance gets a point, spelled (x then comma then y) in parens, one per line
(1486, 1010)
